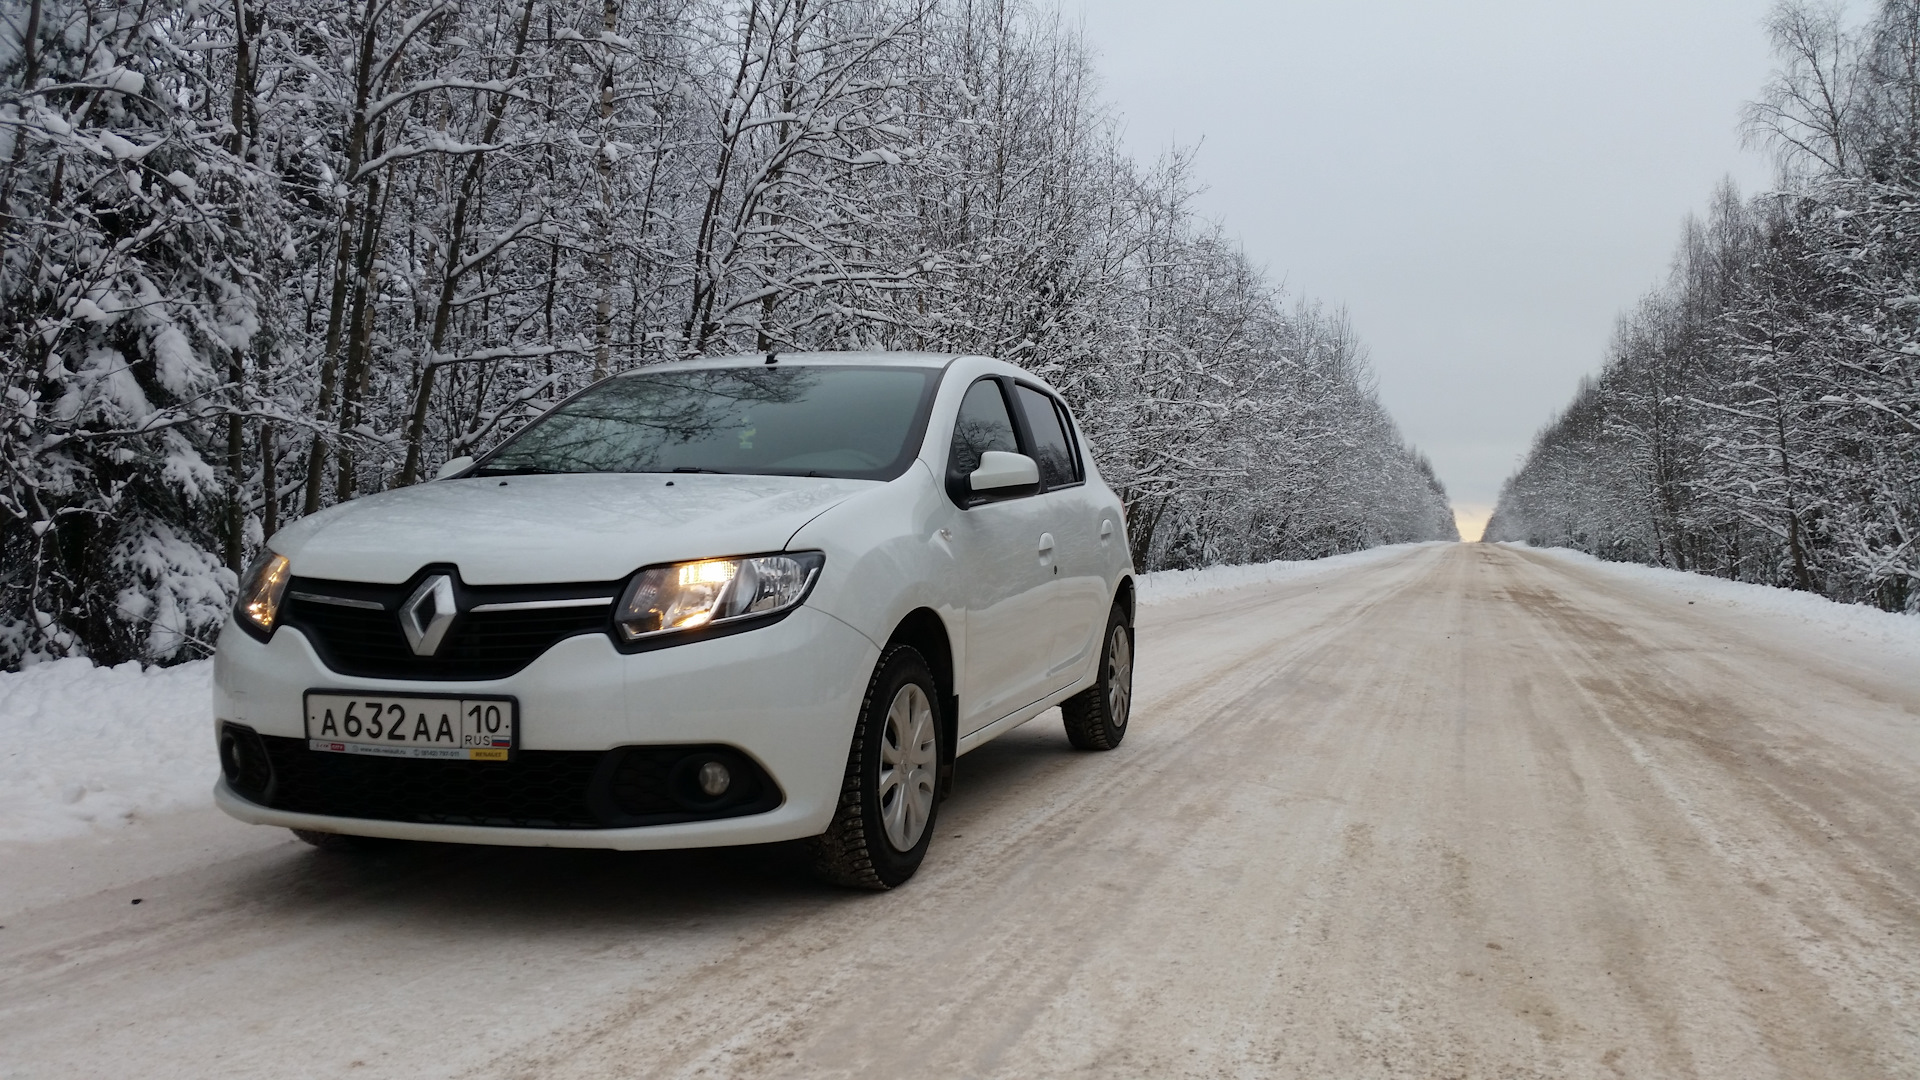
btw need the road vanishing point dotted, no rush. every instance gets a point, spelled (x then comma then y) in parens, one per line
(1460, 811)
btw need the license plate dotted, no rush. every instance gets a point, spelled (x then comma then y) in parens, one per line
(401, 725)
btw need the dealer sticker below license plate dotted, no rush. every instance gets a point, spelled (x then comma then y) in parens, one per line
(468, 729)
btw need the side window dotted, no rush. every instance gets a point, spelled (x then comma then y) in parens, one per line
(983, 425)
(1073, 439)
(1051, 448)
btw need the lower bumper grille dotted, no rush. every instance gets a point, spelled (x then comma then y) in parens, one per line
(539, 789)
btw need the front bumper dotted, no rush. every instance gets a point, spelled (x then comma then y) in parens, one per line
(784, 695)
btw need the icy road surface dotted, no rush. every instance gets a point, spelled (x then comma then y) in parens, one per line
(1456, 811)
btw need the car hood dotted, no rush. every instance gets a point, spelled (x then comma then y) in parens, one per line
(518, 530)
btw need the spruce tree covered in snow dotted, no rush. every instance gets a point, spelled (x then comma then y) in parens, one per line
(134, 254)
(258, 257)
(1759, 417)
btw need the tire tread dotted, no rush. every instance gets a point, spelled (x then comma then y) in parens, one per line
(843, 854)
(1084, 715)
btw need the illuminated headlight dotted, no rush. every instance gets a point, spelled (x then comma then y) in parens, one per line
(691, 595)
(260, 591)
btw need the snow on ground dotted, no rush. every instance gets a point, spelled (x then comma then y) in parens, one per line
(87, 747)
(1165, 586)
(90, 747)
(84, 746)
(1811, 619)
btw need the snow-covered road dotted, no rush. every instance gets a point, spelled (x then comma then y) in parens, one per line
(1451, 811)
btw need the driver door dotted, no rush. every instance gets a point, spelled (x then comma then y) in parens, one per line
(997, 543)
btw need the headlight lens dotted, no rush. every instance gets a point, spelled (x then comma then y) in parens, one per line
(690, 595)
(261, 589)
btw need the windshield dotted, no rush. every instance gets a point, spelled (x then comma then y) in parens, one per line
(858, 423)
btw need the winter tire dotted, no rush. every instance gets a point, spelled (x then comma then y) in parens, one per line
(1096, 718)
(888, 799)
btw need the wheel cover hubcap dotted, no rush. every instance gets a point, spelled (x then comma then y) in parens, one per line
(909, 764)
(1119, 677)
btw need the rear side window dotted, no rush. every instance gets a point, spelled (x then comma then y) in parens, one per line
(1051, 447)
(1073, 440)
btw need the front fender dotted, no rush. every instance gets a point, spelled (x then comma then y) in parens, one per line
(888, 556)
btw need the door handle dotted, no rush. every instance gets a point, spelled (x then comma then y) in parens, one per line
(1046, 544)
(1106, 530)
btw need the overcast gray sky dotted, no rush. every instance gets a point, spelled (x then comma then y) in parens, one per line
(1484, 186)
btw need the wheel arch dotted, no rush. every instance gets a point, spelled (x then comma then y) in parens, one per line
(1124, 596)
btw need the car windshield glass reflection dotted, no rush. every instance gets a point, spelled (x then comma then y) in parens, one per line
(856, 423)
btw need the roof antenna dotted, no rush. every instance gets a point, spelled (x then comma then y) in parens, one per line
(772, 357)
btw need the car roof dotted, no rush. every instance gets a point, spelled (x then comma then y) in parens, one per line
(813, 359)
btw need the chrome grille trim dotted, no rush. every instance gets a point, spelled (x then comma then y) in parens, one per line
(338, 601)
(536, 605)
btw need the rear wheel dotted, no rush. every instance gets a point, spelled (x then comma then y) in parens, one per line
(889, 795)
(1096, 718)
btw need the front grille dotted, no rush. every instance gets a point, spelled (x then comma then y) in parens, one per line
(367, 641)
(538, 789)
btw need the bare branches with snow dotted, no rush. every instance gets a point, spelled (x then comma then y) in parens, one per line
(258, 257)
(1759, 417)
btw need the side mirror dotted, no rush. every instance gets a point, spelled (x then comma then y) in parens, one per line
(454, 468)
(999, 470)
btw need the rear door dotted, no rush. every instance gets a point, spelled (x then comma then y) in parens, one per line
(1076, 605)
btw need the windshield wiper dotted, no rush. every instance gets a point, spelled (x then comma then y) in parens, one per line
(516, 470)
(697, 468)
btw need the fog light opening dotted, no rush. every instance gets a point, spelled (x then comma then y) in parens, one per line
(706, 781)
(231, 762)
(244, 762)
(714, 779)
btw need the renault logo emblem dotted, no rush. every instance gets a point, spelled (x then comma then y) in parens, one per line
(427, 614)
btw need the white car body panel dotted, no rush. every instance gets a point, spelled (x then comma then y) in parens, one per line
(1009, 632)
(1022, 625)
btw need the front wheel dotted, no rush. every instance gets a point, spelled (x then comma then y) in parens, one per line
(1096, 718)
(889, 796)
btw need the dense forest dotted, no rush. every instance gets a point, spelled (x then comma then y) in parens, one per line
(1758, 418)
(261, 256)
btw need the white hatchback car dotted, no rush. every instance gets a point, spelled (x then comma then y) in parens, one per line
(726, 601)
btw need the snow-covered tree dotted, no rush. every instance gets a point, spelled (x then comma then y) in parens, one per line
(1759, 417)
(261, 256)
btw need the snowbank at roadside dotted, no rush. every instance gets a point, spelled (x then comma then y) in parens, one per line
(1850, 626)
(84, 746)
(1163, 586)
